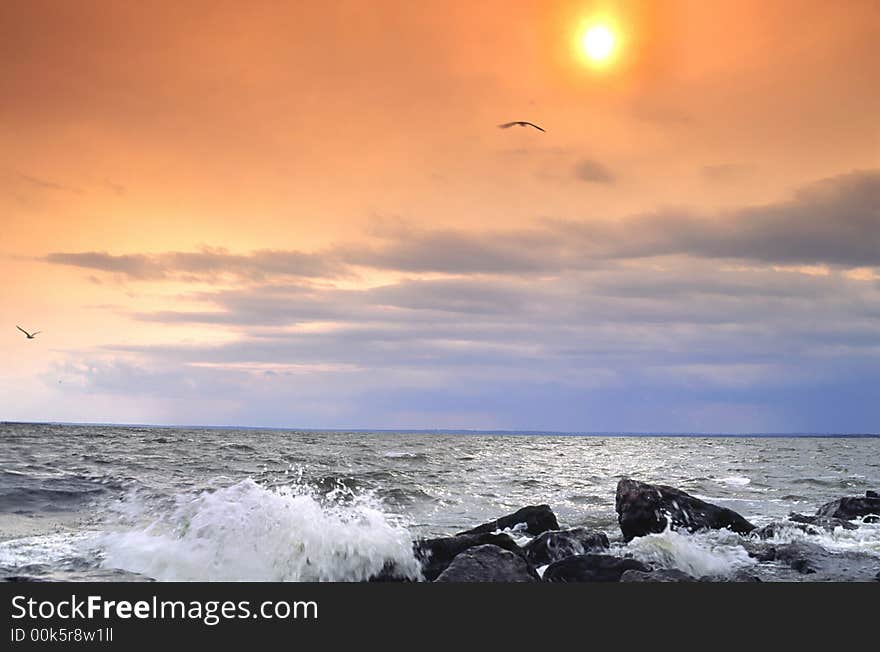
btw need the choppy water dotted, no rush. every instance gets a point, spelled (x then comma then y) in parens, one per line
(109, 502)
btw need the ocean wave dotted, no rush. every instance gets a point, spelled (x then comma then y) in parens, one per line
(716, 553)
(247, 532)
(864, 539)
(399, 455)
(735, 481)
(24, 493)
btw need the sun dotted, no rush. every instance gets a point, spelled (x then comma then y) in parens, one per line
(598, 43)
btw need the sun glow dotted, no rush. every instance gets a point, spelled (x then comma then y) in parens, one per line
(598, 43)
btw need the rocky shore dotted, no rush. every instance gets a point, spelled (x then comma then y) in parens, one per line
(530, 546)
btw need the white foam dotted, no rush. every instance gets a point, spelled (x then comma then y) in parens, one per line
(49, 549)
(865, 539)
(735, 480)
(247, 532)
(715, 552)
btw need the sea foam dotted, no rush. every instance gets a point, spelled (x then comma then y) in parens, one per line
(249, 532)
(715, 553)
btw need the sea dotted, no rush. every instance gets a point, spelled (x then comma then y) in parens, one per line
(147, 503)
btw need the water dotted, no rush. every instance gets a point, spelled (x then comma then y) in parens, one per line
(141, 503)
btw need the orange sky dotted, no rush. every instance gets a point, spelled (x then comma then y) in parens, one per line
(144, 128)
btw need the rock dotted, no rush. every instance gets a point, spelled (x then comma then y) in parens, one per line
(772, 530)
(488, 563)
(558, 544)
(536, 518)
(591, 568)
(812, 525)
(803, 557)
(871, 494)
(871, 518)
(850, 508)
(436, 554)
(391, 573)
(828, 523)
(662, 575)
(738, 576)
(645, 508)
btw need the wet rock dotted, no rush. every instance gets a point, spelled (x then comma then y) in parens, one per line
(591, 568)
(806, 558)
(436, 554)
(644, 508)
(536, 518)
(871, 518)
(871, 494)
(488, 563)
(558, 544)
(772, 530)
(391, 573)
(662, 575)
(827, 523)
(850, 508)
(740, 576)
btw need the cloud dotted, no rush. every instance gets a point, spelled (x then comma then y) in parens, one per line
(593, 172)
(687, 345)
(203, 265)
(835, 221)
(48, 184)
(137, 266)
(746, 320)
(460, 252)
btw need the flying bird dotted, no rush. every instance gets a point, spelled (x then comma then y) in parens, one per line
(30, 336)
(520, 123)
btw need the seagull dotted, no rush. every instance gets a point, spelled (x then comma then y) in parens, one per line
(520, 123)
(30, 336)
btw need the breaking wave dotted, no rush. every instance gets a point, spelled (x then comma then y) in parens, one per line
(716, 553)
(246, 532)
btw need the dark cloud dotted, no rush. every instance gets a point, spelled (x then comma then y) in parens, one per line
(626, 340)
(835, 221)
(832, 222)
(48, 184)
(593, 172)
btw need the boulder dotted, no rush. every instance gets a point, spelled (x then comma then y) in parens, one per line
(850, 508)
(488, 563)
(644, 508)
(391, 572)
(871, 494)
(774, 529)
(591, 568)
(536, 518)
(738, 576)
(662, 575)
(806, 558)
(557, 544)
(436, 554)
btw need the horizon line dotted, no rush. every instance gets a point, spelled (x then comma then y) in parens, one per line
(463, 431)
